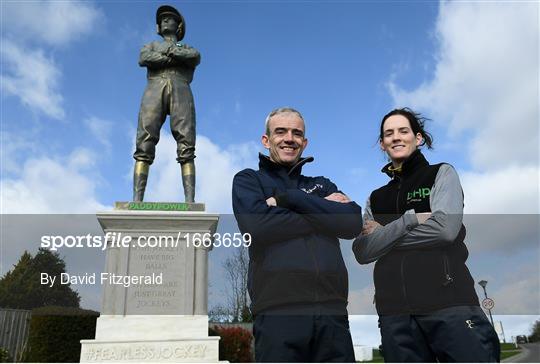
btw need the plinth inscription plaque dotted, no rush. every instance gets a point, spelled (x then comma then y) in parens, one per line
(169, 297)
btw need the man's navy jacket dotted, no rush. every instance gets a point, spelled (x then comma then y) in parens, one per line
(295, 255)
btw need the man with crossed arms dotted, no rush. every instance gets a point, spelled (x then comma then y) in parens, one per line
(297, 281)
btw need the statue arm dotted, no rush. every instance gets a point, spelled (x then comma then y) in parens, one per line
(185, 54)
(152, 58)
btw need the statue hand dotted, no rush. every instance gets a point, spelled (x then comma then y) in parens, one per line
(175, 49)
(164, 47)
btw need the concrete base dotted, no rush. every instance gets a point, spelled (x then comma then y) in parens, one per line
(162, 321)
(164, 351)
(152, 327)
(363, 353)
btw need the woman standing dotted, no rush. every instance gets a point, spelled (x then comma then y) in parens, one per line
(424, 294)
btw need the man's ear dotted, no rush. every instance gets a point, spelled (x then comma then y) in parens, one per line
(265, 141)
(304, 143)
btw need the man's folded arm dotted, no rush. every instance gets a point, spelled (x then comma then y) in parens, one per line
(264, 223)
(342, 220)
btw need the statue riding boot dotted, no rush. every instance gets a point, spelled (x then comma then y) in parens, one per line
(188, 180)
(140, 176)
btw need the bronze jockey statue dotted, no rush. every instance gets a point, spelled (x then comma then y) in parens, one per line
(170, 64)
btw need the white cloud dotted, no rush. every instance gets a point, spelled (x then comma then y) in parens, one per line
(501, 209)
(101, 129)
(81, 159)
(519, 293)
(508, 190)
(515, 325)
(485, 88)
(52, 22)
(510, 233)
(28, 72)
(31, 76)
(485, 80)
(519, 297)
(13, 147)
(52, 186)
(361, 301)
(215, 169)
(365, 330)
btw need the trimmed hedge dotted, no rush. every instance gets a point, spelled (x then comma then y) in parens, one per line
(235, 344)
(55, 333)
(4, 356)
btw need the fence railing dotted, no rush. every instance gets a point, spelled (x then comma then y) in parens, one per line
(14, 326)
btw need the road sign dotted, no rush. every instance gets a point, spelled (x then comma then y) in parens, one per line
(488, 303)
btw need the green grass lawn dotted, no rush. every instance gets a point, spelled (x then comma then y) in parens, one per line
(377, 357)
(508, 353)
(508, 346)
(508, 350)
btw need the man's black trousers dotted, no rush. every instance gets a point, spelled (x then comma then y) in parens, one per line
(454, 334)
(302, 338)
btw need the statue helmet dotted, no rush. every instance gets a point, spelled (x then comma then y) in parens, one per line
(169, 10)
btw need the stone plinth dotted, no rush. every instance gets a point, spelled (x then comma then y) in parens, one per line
(163, 318)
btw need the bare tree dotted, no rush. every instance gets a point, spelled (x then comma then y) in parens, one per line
(236, 270)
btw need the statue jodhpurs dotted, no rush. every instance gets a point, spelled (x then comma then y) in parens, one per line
(166, 93)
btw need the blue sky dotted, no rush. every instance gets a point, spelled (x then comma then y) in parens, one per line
(71, 89)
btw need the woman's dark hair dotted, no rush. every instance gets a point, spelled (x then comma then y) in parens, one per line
(417, 122)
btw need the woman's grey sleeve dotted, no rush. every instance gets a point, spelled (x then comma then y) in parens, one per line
(444, 224)
(368, 248)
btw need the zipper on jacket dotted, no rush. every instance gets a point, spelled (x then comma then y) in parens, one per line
(446, 264)
(398, 192)
(316, 267)
(403, 288)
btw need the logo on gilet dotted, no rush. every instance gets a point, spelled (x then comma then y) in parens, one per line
(418, 194)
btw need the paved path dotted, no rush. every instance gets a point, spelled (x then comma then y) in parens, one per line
(530, 354)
